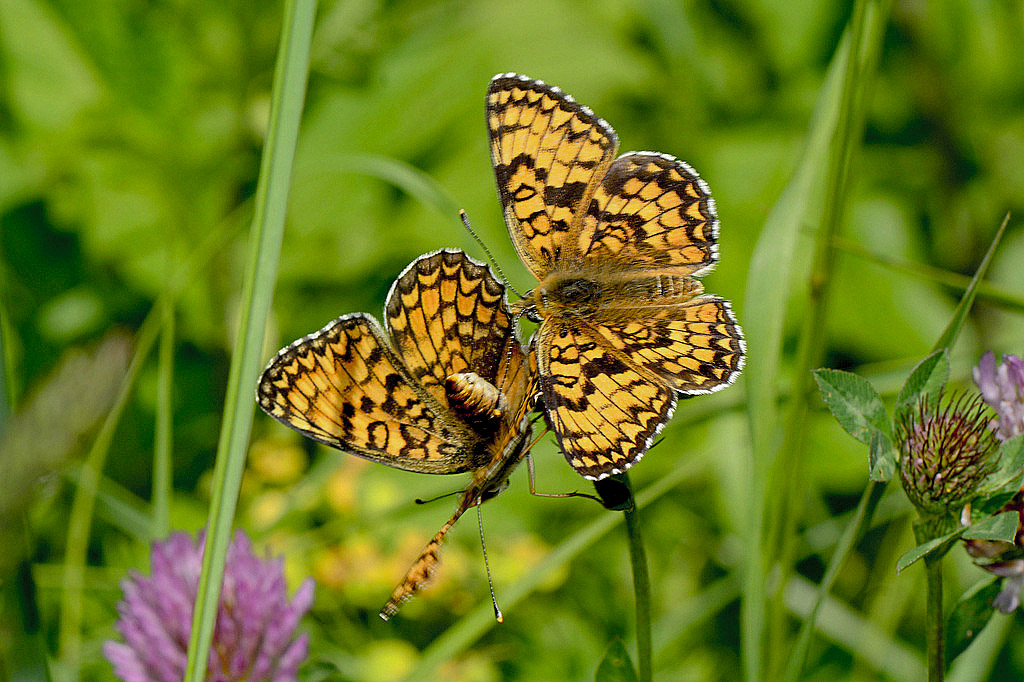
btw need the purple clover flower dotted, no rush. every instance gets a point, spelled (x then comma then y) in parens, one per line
(1002, 388)
(254, 635)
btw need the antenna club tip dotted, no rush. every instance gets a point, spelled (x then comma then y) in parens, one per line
(498, 617)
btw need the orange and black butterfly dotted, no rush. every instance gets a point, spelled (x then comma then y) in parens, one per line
(442, 389)
(615, 244)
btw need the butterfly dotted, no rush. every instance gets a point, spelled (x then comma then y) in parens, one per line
(615, 244)
(444, 388)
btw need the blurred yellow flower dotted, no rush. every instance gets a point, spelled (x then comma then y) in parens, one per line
(276, 460)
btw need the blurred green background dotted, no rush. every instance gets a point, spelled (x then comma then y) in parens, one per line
(130, 135)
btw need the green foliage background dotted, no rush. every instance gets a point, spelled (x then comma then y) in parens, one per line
(130, 136)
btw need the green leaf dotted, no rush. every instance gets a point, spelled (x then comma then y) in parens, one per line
(616, 665)
(926, 379)
(969, 616)
(854, 403)
(1009, 469)
(937, 545)
(882, 457)
(997, 527)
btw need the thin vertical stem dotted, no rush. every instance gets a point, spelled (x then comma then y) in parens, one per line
(162, 467)
(935, 624)
(641, 589)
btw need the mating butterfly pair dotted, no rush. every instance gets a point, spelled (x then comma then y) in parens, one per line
(615, 244)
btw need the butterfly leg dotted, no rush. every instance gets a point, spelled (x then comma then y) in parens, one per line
(533, 489)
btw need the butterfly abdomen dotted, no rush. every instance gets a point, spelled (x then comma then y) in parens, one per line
(476, 401)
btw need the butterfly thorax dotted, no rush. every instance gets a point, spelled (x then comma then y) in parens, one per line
(605, 295)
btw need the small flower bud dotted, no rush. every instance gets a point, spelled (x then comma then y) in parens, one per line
(945, 452)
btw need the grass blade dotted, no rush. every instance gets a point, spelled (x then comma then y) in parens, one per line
(834, 130)
(948, 337)
(288, 97)
(163, 432)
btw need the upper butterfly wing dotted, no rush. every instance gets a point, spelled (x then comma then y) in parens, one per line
(650, 212)
(344, 387)
(604, 410)
(549, 153)
(446, 314)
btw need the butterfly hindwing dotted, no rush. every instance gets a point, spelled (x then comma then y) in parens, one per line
(650, 212)
(695, 347)
(604, 410)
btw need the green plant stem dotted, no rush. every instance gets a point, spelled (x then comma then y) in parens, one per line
(163, 430)
(641, 589)
(290, 77)
(934, 616)
(851, 535)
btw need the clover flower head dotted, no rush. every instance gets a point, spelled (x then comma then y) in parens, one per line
(254, 638)
(1002, 387)
(945, 452)
(1004, 559)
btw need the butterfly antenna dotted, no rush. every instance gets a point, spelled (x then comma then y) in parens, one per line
(487, 566)
(490, 256)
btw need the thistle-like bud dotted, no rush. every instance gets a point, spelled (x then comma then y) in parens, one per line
(945, 452)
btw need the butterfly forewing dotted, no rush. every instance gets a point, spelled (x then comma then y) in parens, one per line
(604, 410)
(446, 314)
(549, 153)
